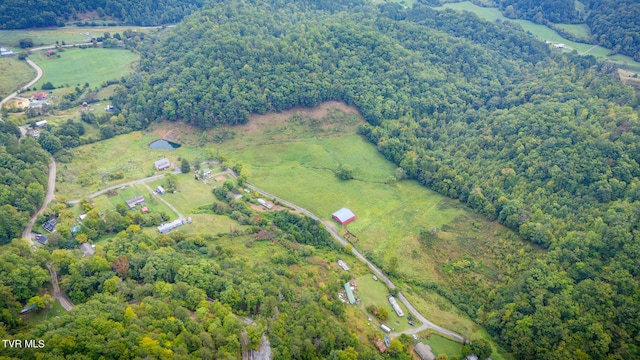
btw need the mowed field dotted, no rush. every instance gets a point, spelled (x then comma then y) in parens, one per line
(70, 35)
(543, 32)
(80, 66)
(92, 164)
(13, 74)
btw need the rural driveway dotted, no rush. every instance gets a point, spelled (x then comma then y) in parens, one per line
(51, 188)
(57, 293)
(165, 201)
(35, 80)
(426, 324)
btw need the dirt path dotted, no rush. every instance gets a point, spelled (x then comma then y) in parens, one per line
(57, 293)
(51, 188)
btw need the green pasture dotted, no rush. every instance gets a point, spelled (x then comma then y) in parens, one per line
(129, 153)
(154, 205)
(14, 73)
(70, 35)
(580, 31)
(441, 345)
(191, 193)
(388, 216)
(53, 311)
(79, 66)
(545, 33)
(372, 292)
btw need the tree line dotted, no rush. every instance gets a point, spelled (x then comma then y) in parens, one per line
(543, 142)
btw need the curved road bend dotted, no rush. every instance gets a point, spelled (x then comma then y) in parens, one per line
(51, 188)
(29, 84)
(426, 324)
(57, 293)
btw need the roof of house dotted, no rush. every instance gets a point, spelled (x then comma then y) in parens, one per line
(380, 345)
(162, 163)
(41, 238)
(343, 214)
(424, 351)
(135, 200)
(49, 225)
(347, 288)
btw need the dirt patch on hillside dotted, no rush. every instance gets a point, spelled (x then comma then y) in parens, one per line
(256, 121)
(629, 78)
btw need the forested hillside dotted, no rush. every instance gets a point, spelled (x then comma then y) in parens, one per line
(23, 180)
(615, 24)
(543, 142)
(16, 14)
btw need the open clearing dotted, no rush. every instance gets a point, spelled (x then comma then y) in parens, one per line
(70, 35)
(440, 345)
(545, 33)
(13, 74)
(80, 66)
(375, 293)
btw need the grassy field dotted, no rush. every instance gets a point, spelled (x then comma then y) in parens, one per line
(545, 33)
(373, 292)
(440, 345)
(13, 74)
(54, 310)
(129, 153)
(154, 205)
(580, 31)
(70, 35)
(191, 193)
(80, 66)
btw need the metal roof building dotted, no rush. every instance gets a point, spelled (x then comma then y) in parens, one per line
(343, 216)
(396, 306)
(424, 351)
(347, 289)
(162, 164)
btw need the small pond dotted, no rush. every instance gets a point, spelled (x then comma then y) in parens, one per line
(163, 145)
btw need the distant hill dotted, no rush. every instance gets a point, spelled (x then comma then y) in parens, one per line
(17, 14)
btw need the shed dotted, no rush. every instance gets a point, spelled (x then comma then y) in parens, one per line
(347, 289)
(343, 265)
(41, 123)
(162, 164)
(40, 96)
(343, 216)
(385, 328)
(26, 309)
(424, 351)
(161, 190)
(144, 210)
(265, 203)
(380, 345)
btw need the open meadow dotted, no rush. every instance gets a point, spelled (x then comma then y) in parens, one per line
(70, 68)
(70, 35)
(545, 33)
(13, 74)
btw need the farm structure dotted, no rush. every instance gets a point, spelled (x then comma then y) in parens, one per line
(343, 216)
(6, 52)
(162, 164)
(385, 328)
(424, 351)
(41, 123)
(135, 201)
(343, 265)
(166, 228)
(350, 296)
(160, 189)
(265, 203)
(396, 306)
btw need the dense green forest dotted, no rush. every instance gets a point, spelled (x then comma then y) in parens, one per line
(16, 14)
(23, 178)
(615, 24)
(184, 296)
(543, 142)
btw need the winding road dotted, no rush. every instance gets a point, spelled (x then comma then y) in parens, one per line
(29, 84)
(51, 188)
(426, 324)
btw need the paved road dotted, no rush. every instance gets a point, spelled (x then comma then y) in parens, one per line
(426, 324)
(39, 74)
(51, 188)
(57, 293)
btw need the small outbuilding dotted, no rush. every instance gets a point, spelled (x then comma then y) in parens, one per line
(161, 190)
(144, 210)
(162, 164)
(42, 239)
(343, 216)
(41, 123)
(385, 328)
(347, 289)
(343, 265)
(6, 52)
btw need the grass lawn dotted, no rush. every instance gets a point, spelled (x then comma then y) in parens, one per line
(80, 66)
(192, 193)
(130, 153)
(545, 33)
(441, 345)
(54, 310)
(154, 205)
(581, 31)
(14, 73)
(373, 292)
(70, 35)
